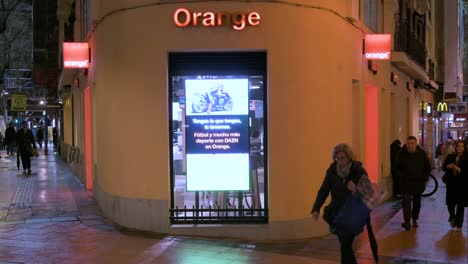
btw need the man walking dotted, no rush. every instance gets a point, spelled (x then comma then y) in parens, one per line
(413, 169)
(25, 142)
(40, 136)
(10, 139)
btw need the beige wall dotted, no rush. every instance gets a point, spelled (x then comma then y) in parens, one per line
(313, 58)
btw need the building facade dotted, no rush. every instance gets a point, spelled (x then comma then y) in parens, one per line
(195, 116)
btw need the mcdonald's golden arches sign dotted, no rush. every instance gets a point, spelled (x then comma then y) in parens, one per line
(442, 107)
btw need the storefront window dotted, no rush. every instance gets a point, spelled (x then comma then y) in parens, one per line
(218, 136)
(370, 14)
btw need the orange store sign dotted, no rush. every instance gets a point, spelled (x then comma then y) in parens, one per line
(239, 21)
(75, 55)
(378, 46)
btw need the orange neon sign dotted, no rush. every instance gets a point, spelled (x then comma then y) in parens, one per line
(75, 55)
(239, 21)
(378, 46)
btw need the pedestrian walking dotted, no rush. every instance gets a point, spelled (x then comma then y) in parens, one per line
(395, 148)
(413, 169)
(340, 181)
(456, 180)
(25, 143)
(447, 149)
(40, 136)
(10, 139)
(55, 137)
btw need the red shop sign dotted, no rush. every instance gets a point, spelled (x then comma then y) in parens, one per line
(378, 46)
(75, 55)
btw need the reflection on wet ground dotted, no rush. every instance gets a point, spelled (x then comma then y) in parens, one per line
(53, 220)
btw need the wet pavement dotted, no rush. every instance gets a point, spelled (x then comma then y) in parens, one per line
(50, 218)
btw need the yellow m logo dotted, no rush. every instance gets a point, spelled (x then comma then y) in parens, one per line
(442, 107)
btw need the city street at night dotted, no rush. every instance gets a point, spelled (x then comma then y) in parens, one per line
(49, 218)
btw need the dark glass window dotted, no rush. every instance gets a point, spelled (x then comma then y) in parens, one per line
(371, 14)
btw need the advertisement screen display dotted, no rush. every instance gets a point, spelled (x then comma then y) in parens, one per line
(217, 134)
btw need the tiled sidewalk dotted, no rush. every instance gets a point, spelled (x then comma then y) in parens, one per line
(61, 224)
(50, 192)
(433, 240)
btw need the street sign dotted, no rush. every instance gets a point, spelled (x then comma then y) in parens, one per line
(18, 102)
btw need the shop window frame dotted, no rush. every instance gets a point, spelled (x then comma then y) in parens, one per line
(211, 63)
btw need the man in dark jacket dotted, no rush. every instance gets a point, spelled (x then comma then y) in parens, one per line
(25, 142)
(413, 169)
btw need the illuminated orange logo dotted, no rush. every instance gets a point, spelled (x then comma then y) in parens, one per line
(75, 55)
(378, 46)
(239, 21)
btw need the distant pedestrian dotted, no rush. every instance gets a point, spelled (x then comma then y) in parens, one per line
(40, 136)
(413, 169)
(395, 148)
(55, 137)
(25, 143)
(447, 149)
(340, 181)
(10, 139)
(456, 180)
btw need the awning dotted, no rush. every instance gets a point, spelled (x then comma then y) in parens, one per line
(66, 78)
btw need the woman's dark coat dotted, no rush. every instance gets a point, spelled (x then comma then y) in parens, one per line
(337, 186)
(457, 183)
(413, 170)
(25, 140)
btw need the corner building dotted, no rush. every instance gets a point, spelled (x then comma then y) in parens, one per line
(298, 84)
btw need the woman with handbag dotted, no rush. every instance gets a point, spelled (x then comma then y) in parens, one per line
(455, 178)
(340, 181)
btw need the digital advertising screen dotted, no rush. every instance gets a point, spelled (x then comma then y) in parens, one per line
(217, 134)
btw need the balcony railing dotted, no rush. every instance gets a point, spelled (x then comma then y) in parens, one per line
(406, 41)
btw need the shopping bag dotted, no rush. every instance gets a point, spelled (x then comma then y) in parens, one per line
(352, 217)
(34, 152)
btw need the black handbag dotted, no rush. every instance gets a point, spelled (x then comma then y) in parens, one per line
(329, 213)
(445, 177)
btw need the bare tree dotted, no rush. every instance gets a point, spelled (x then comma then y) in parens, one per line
(16, 35)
